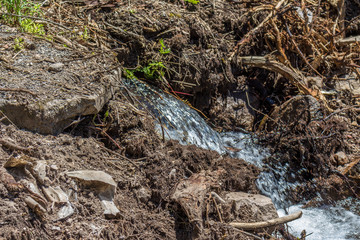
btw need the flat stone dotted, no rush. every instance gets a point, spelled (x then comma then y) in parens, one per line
(92, 176)
(48, 101)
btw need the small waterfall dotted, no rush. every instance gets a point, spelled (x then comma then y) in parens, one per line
(180, 122)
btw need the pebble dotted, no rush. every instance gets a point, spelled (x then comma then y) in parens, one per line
(56, 67)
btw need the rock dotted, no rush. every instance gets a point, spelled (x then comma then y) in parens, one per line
(65, 211)
(110, 209)
(233, 111)
(299, 108)
(56, 67)
(39, 171)
(351, 84)
(56, 195)
(52, 100)
(143, 194)
(258, 207)
(190, 195)
(341, 158)
(96, 179)
(103, 184)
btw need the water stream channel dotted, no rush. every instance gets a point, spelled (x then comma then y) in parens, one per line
(188, 127)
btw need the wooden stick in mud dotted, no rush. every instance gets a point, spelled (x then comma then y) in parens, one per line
(269, 223)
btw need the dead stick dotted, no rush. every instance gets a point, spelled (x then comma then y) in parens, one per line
(297, 79)
(272, 65)
(269, 223)
(300, 53)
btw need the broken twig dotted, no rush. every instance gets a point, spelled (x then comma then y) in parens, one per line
(269, 223)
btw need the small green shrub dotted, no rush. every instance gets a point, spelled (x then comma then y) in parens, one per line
(163, 49)
(19, 44)
(152, 71)
(192, 1)
(22, 7)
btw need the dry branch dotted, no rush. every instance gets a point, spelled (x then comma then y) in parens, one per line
(297, 79)
(269, 223)
(272, 65)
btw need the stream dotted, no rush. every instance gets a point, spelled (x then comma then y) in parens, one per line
(182, 123)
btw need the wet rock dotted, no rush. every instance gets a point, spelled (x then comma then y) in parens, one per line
(234, 111)
(299, 108)
(56, 67)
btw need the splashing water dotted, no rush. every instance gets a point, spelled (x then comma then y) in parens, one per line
(179, 122)
(331, 223)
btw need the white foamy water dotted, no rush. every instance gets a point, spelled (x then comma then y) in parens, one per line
(330, 223)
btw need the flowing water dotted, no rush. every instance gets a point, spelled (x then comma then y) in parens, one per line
(176, 120)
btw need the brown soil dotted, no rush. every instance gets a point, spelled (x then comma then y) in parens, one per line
(143, 177)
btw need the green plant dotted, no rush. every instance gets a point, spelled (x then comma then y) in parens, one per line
(163, 49)
(19, 44)
(29, 26)
(130, 74)
(22, 8)
(152, 71)
(192, 1)
(85, 35)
